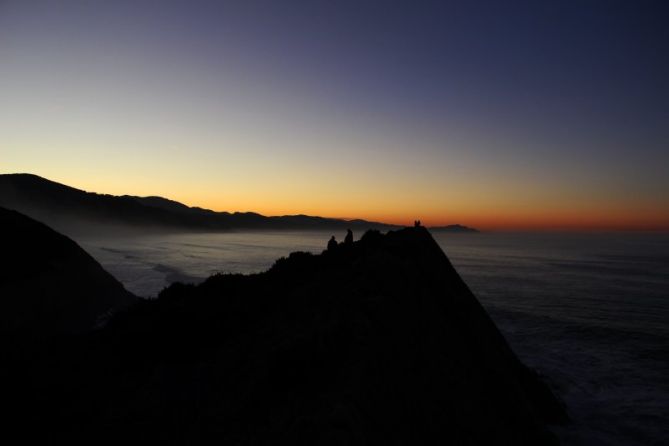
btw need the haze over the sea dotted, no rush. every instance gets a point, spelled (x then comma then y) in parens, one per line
(497, 115)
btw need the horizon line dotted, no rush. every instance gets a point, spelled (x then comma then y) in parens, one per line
(486, 226)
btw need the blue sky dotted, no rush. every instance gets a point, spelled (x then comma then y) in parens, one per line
(510, 114)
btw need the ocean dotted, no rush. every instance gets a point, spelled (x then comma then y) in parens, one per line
(589, 311)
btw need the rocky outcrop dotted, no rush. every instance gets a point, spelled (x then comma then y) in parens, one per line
(377, 342)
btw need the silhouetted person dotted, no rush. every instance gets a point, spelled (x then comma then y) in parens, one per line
(349, 237)
(416, 223)
(332, 244)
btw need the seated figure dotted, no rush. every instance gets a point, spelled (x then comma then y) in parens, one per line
(332, 244)
(349, 237)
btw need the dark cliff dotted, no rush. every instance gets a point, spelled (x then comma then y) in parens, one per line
(375, 342)
(48, 283)
(378, 342)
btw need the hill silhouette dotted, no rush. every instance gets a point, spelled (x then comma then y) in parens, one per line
(453, 228)
(64, 208)
(48, 283)
(374, 342)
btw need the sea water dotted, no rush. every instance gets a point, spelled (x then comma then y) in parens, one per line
(590, 312)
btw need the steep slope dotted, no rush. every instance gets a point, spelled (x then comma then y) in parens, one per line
(48, 283)
(378, 342)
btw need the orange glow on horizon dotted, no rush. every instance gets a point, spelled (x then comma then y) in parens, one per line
(199, 105)
(474, 209)
(530, 220)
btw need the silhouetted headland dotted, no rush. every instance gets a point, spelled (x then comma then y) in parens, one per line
(377, 341)
(48, 283)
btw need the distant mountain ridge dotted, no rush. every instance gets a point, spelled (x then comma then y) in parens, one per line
(64, 207)
(57, 204)
(167, 204)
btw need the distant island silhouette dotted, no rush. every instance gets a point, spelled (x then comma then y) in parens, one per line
(69, 209)
(375, 341)
(453, 228)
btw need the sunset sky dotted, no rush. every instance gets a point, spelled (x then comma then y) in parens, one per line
(497, 114)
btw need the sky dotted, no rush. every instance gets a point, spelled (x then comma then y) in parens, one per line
(499, 115)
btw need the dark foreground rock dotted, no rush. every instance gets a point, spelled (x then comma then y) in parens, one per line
(48, 284)
(378, 342)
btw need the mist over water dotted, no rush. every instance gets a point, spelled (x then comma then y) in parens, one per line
(148, 263)
(588, 311)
